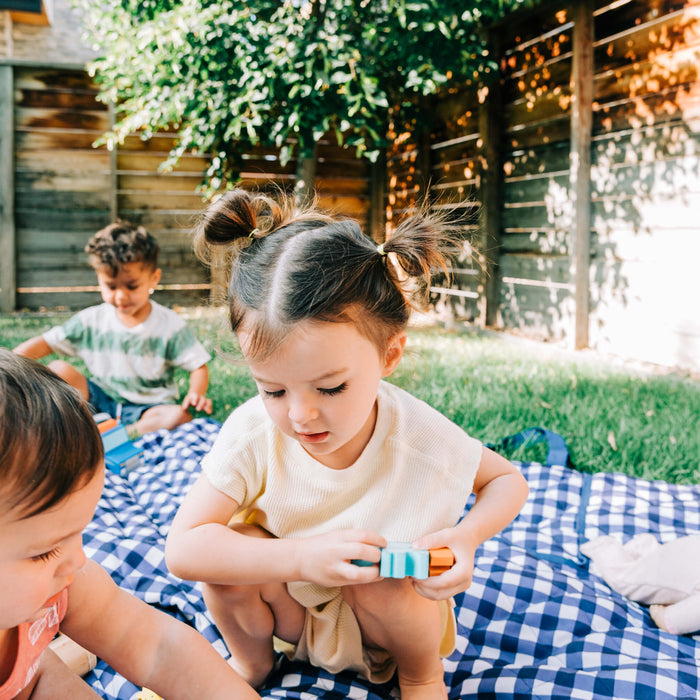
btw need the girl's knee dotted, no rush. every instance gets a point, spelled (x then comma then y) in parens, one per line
(230, 595)
(387, 597)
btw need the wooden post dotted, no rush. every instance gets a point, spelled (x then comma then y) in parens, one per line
(8, 270)
(489, 241)
(423, 166)
(377, 184)
(580, 165)
(113, 167)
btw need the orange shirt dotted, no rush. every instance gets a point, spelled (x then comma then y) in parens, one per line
(33, 638)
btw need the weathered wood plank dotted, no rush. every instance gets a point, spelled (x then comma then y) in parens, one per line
(35, 118)
(7, 192)
(79, 300)
(49, 140)
(581, 132)
(61, 201)
(63, 160)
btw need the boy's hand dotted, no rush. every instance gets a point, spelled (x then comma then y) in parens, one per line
(327, 559)
(197, 402)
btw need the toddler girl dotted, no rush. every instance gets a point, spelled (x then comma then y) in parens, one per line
(51, 476)
(329, 462)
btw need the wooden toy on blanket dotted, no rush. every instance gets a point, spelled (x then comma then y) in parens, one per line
(399, 560)
(121, 455)
(78, 660)
(664, 576)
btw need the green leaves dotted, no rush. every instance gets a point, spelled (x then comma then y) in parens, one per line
(231, 76)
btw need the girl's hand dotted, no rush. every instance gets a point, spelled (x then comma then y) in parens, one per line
(327, 559)
(456, 579)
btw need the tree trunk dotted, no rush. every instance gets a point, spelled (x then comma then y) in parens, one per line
(304, 189)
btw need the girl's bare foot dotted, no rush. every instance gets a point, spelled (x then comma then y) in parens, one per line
(658, 614)
(253, 674)
(430, 686)
(430, 690)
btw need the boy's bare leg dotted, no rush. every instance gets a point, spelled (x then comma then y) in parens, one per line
(394, 617)
(71, 375)
(248, 616)
(166, 416)
(55, 680)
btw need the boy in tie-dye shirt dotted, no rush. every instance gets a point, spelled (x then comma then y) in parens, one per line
(130, 344)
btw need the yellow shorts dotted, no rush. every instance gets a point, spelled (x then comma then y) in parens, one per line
(332, 639)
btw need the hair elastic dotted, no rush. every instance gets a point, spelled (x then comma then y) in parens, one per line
(380, 250)
(253, 232)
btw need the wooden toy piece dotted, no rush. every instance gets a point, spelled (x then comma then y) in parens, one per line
(79, 660)
(121, 455)
(147, 694)
(399, 560)
(441, 559)
(106, 425)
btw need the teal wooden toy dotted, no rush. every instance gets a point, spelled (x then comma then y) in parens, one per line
(121, 455)
(399, 560)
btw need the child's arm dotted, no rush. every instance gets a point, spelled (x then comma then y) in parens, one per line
(145, 645)
(53, 680)
(200, 547)
(34, 348)
(501, 491)
(196, 396)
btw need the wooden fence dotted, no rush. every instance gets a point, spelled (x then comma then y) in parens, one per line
(582, 162)
(59, 189)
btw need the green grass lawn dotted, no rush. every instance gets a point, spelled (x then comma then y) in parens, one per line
(613, 417)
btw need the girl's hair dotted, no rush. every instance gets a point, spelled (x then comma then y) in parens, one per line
(49, 442)
(120, 243)
(292, 264)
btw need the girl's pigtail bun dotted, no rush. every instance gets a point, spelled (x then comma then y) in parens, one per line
(424, 244)
(239, 217)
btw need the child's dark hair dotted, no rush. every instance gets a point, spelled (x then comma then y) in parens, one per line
(49, 443)
(293, 264)
(120, 243)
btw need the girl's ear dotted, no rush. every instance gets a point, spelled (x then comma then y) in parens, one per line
(394, 352)
(155, 277)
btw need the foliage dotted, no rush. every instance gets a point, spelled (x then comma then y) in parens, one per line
(230, 75)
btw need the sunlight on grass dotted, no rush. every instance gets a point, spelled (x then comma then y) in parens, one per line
(612, 418)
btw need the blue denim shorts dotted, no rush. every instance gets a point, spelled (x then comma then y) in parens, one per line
(102, 402)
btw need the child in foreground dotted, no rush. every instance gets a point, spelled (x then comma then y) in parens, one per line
(329, 462)
(130, 344)
(51, 476)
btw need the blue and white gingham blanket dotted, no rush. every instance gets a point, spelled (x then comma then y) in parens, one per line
(534, 624)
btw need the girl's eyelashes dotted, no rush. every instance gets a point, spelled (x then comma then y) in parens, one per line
(326, 392)
(47, 556)
(273, 394)
(334, 390)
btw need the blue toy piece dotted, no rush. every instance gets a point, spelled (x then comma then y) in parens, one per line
(121, 455)
(400, 560)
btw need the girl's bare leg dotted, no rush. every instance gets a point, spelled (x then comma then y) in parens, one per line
(394, 617)
(249, 615)
(167, 416)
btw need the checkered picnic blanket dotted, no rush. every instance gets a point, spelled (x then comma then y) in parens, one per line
(536, 623)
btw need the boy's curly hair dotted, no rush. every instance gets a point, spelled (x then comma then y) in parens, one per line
(120, 243)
